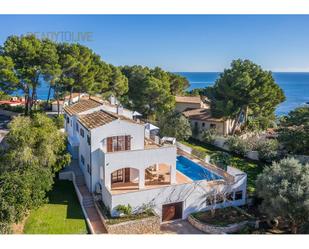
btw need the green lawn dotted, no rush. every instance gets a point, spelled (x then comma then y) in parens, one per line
(250, 167)
(61, 215)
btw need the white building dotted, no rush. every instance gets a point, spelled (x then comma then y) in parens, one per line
(117, 156)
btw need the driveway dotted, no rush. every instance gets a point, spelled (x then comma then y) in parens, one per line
(179, 227)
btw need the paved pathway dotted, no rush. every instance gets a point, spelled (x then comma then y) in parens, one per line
(88, 202)
(179, 227)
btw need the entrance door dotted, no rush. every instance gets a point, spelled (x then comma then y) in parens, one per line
(172, 211)
(127, 174)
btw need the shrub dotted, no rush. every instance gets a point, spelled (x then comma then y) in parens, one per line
(283, 188)
(238, 145)
(268, 150)
(221, 159)
(209, 135)
(123, 209)
(59, 121)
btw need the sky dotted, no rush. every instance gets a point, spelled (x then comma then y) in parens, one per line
(177, 43)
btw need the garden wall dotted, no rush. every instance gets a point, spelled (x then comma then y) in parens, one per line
(206, 228)
(149, 225)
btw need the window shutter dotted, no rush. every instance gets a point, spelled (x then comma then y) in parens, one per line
(109, 144)
(128, 143)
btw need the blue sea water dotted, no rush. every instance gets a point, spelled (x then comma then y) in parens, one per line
(294, 85)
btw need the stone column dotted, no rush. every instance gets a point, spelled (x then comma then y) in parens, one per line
(157, 167)
(107, 180)
(173, 173)
(141, 178)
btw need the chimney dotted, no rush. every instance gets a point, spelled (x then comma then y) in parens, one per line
(119, 109)
(112, 100)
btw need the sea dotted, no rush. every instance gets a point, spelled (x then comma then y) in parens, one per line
(294, 85)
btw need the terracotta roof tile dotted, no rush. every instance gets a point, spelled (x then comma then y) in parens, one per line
(188, 99)
(82, 106)
(96, 119)
(201, 114)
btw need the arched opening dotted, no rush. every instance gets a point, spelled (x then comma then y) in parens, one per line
(158, 174)
(125, 179)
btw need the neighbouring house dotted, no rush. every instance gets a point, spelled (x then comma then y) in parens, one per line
(121, 162)
(189, 102)
(64, 102)
(198, 112)
(14, 101)
(201, 120)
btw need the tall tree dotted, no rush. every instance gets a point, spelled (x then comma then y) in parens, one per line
(245, 89)
(294, 131)
(178, 84)
(29, 60)
(149, 90)
(174, 124)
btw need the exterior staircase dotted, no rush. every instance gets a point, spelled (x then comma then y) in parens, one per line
(87, 200)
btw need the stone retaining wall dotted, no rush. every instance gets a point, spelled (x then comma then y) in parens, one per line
(150, 225)
(206, 228)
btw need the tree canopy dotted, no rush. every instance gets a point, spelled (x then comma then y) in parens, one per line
(26, 60)
(174, 124)
(284, 189)
(23, 61)
(151, 91)
(294, 131)
(35, 150)
(245, 89)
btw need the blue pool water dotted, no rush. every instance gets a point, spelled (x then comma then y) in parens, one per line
(194, 171)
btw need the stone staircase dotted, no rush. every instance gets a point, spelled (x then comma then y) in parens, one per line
(88, 202)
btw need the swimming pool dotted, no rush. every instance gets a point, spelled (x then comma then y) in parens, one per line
(194, 171)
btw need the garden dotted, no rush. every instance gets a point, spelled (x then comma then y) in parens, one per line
(222, 217)
(62, 213)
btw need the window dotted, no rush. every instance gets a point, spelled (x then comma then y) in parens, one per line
(229, 197)
(88, 140)
(203, 124)
(89, 169)
(212, 126)
(81, 132)
(77, 127)
(118, 143)
(238, 195)
(82, 159)
(117, 176)
(68, 120)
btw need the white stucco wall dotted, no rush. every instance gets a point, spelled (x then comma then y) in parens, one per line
(99, 143)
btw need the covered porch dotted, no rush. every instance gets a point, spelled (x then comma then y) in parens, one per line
(131, 179)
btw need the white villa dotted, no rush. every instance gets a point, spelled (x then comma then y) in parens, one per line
(125, 166)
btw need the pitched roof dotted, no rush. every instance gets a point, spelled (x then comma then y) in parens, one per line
(99, 118)
(201, 114)
(82, 106)
(96, 119)
(188, 99)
